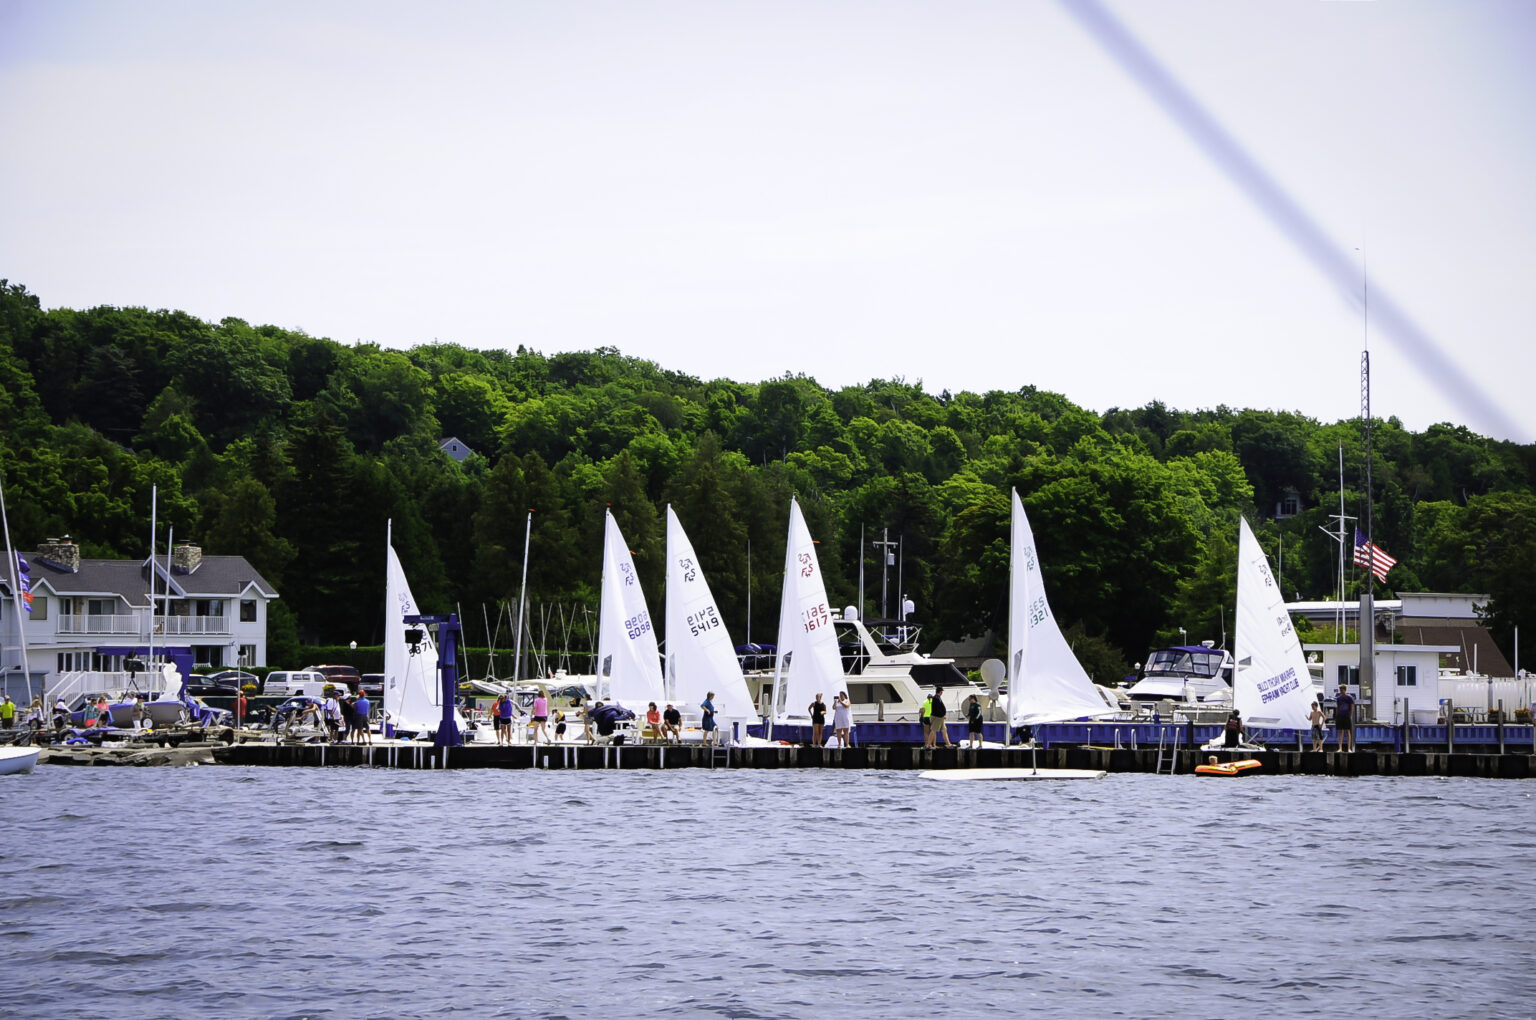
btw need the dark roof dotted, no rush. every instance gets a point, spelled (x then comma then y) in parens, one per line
(215, 577)
(1490, 661)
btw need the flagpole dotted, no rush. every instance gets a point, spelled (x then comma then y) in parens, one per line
(1367, 600)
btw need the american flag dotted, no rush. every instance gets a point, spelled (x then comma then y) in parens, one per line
(1372, 556)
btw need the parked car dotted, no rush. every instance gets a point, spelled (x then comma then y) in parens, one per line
(373, 685)
(226, 683)
(294, 683)
(341, 676)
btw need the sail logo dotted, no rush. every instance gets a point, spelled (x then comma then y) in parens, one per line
(628, 571)
(807, 564)
(1283, 621)
(1269, 579)
(1029, 558)
(690, 572)
(1278, 686)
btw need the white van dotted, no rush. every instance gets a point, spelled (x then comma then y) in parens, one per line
(290, 683)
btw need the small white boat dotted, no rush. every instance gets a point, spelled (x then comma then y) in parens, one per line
(18, 759)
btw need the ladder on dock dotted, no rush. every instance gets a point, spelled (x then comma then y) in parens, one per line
(1167, 750)
(720, 756)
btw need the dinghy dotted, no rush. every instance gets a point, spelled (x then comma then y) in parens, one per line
(18, 760)
(1046, 683)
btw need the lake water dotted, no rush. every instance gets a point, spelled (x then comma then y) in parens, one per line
(344, 892)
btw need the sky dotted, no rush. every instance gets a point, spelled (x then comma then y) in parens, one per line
(974, 195)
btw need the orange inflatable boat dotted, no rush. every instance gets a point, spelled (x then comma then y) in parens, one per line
(1228, 768)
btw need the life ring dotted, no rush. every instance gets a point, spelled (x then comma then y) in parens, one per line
(1228, 768)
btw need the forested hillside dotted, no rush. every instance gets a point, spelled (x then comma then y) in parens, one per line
(294, 450)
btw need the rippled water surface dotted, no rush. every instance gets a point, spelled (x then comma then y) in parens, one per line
(349, 892)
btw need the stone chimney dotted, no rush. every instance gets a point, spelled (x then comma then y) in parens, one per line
(185, 557)
(61, 553)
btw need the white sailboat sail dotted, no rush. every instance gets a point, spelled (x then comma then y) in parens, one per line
(1271, 686)
(808, 662)
(627, 656)
(1046, 683)
(412, 688)
(700, 657)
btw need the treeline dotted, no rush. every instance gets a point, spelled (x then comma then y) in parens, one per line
(294, 451)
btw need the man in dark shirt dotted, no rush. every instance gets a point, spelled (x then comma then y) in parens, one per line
(1344, 718)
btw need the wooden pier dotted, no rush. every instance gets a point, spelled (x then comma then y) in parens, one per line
(889, 758)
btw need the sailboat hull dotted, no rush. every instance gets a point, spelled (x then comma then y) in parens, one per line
(956, 775)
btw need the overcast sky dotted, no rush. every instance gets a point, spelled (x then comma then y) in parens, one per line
(976, 195)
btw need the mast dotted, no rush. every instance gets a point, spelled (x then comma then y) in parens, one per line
(21, 610)
(522, 599)
(861, 572)
(154, 506)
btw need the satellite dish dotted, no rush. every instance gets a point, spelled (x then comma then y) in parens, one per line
(850, 613)
(993, 671)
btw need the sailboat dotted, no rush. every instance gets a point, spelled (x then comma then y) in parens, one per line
(808, 662)
(412, 691)
(1271, 688)
(1046, 683)
(700, 657)
(628, 660)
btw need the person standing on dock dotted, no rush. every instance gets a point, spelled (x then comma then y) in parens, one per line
(973, 720)
(842, 719)
(1317, 719)
(331, 713)
(927, 713)
(1344, 717)
(818, 711)
(503, 722)
(707, 706)
(361, 709)
(540, 716)
(7, 713)
(938, 713)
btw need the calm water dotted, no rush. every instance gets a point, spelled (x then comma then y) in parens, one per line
(331, 892)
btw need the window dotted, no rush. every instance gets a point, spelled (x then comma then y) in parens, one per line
(247, 655)
(1407, 676)
(39, 607)
(247, 610)
(1349, 675)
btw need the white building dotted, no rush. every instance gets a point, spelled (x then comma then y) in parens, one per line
(94, 616)
(1407, 679)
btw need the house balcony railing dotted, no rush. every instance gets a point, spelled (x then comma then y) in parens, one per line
(137, 625)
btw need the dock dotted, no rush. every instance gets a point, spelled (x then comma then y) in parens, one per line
(653, 757)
